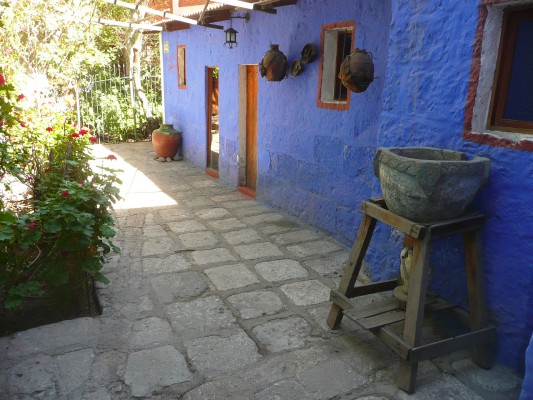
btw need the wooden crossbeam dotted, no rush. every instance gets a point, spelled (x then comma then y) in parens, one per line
(132, 25)
(164, 14)
(247, 6)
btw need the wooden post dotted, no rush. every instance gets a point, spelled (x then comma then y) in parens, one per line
(414, 313)
(360, 246)
(476, 294)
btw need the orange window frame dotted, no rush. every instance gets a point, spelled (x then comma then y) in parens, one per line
(511, 20)
(182, 67)
(333, 105)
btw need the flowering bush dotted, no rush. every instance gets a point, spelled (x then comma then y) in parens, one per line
(55, 221)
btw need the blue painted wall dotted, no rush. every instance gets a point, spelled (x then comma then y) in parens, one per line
(428, 72)
(317, 163)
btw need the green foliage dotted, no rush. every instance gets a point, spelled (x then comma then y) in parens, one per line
(44, 37)
(58, 229)
(106, 103)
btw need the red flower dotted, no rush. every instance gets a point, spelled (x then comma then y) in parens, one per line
(23, 124)
(83, 131)
(20, 97)
(2, 122)
(65, 193)
(32, 225)
(81, 182)
(2, 79)
(111, 157)
(74, 135)
(47, 170)
(49, 129)
(93, 139)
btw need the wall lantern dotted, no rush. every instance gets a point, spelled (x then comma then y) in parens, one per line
(231, 34)
(231, 37)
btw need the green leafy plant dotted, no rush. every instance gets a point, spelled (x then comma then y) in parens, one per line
(57, 228)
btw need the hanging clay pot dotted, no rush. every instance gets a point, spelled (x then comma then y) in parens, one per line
(296, 68)
(166, 141)
(274, 64)
(309, 53)
(357, 71)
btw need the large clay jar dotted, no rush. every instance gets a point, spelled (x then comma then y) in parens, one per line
(274, 64)
(425, 184)
(166, 141)
(357, 71)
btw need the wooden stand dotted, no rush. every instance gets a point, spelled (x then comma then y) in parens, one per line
(377, 317)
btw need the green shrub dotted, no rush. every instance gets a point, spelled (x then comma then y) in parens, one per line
(57, 229)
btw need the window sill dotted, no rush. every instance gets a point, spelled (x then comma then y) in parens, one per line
(334, 105)
(510, 140)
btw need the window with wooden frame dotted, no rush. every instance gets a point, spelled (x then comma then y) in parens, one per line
(337, 41)
(512, 100)
(182, 71)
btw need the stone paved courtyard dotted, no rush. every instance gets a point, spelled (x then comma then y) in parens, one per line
(216, 296)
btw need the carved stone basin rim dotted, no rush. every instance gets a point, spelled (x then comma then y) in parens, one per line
(427, 184)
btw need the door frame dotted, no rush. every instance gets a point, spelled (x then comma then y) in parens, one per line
(208, 110)
(243, 101)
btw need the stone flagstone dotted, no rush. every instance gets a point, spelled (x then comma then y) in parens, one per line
(245, 320)
(172, 263)
(231, 276)
(33, 375)
(282, 334)
(151, 332)
(74, 369)
(306, 293)
(184, 284)
(241, 236)
(202, 257)
(313, 248)
(257, 303)
(281, 270)
(160, 245)
(215, 355)
(199, 317)
(258, 250)
(150, 370)
(197, 240)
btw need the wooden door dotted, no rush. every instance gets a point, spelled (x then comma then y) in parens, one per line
(251, 126)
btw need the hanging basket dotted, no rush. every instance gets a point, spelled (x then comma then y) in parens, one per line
(357, 71)
(274, 64)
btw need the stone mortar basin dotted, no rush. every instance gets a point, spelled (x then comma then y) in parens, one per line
(425, 184)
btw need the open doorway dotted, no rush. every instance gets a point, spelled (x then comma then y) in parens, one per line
(213, 133)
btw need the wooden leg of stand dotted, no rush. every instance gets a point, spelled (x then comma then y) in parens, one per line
(414, 313)
(360, 246)
(476, 298)
(334, 317)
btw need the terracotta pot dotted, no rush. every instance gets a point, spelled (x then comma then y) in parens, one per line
(357, 71)
(166, 141)
(274, 64)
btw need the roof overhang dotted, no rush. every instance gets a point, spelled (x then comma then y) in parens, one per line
(215, 11)
(178, 18)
